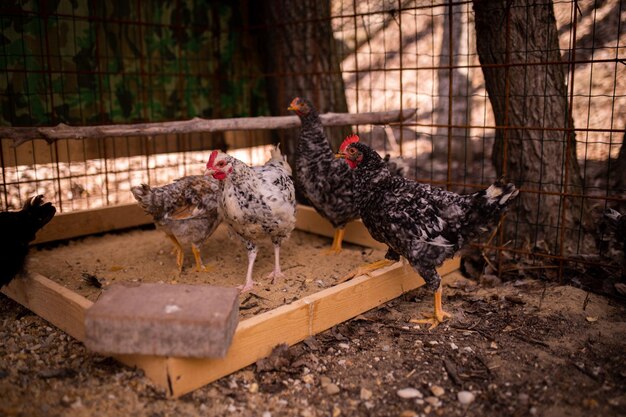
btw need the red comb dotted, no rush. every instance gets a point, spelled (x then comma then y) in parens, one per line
(347, 141)
(211, 159)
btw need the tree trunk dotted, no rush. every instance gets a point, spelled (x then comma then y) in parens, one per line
(296, 37)
(453, 84)
(533, 99)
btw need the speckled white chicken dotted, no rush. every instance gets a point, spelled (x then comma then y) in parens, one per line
(256, 202)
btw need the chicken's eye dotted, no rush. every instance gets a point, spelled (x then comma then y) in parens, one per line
(351, 151)
(220, 164)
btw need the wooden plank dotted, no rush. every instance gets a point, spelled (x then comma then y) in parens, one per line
(309, 221)
(256, 337)
(51, 301)
(106, 219)
(92, 221)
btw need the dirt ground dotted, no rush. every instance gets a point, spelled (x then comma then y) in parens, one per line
(524, 348)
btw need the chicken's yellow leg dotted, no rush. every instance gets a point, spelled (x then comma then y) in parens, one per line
(200, 266)
(438, 316)
(180, 253)
(337, 240)
(366, 269)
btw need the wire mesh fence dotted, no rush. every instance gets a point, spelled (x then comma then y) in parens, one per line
(536, 94)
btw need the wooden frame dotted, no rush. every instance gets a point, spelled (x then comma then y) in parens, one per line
(254, 338)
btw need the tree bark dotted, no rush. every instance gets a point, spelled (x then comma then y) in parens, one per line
(300, 59)
(535, 144)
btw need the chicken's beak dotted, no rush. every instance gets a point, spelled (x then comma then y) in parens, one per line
(340, 155)
(209, 171)
(292, 107)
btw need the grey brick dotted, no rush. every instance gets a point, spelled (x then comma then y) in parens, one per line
(162, 319)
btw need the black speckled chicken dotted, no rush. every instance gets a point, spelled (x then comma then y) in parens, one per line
(18, 229)
(186, 210)
(325, 181)
(256, 202)
(424, 224)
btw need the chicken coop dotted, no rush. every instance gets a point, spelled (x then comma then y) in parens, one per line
(98, 97)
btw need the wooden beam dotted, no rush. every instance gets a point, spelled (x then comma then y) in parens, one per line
(92, 221)
(21, 135)
(308, 220)
(256, 337)
(101, 220)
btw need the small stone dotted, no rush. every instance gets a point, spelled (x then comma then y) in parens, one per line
(336, 411)
(368, 405)
(324, 381)
(437, 390)
(434, 401)
(266, 414)
(344, 345)
(408, 413)
(493, 345)
(66, 401)
(523, 398)
(365, 394)
(332, 389)
(386, 348)
(409, 393)
(453, 346)
(308, 379)
(306, 413)
(253, 388)
(466, 397)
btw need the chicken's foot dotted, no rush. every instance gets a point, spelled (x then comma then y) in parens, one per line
(276, 273)
(337, 241)
(438, 316)
(249, 283)
(180, 253)
(200, 266)
(366, 269)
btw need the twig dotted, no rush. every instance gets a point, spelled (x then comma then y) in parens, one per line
(528, 339)
(586, 301)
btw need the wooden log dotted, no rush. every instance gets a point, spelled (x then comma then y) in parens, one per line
(21, 135)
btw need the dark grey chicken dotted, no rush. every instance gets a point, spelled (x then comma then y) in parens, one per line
(424, 224)
(325, 181)
(18, 230)
(186, 210)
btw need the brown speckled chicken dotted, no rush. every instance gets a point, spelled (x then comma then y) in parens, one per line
(186, 210)
(256, 202)
(17, 230)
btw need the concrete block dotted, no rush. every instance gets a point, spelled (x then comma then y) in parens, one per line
(162, 319)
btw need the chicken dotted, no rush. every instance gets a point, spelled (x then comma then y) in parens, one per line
(18, 230)
(324, 180)
(256, 202)
(186, 210)
(424, 224)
